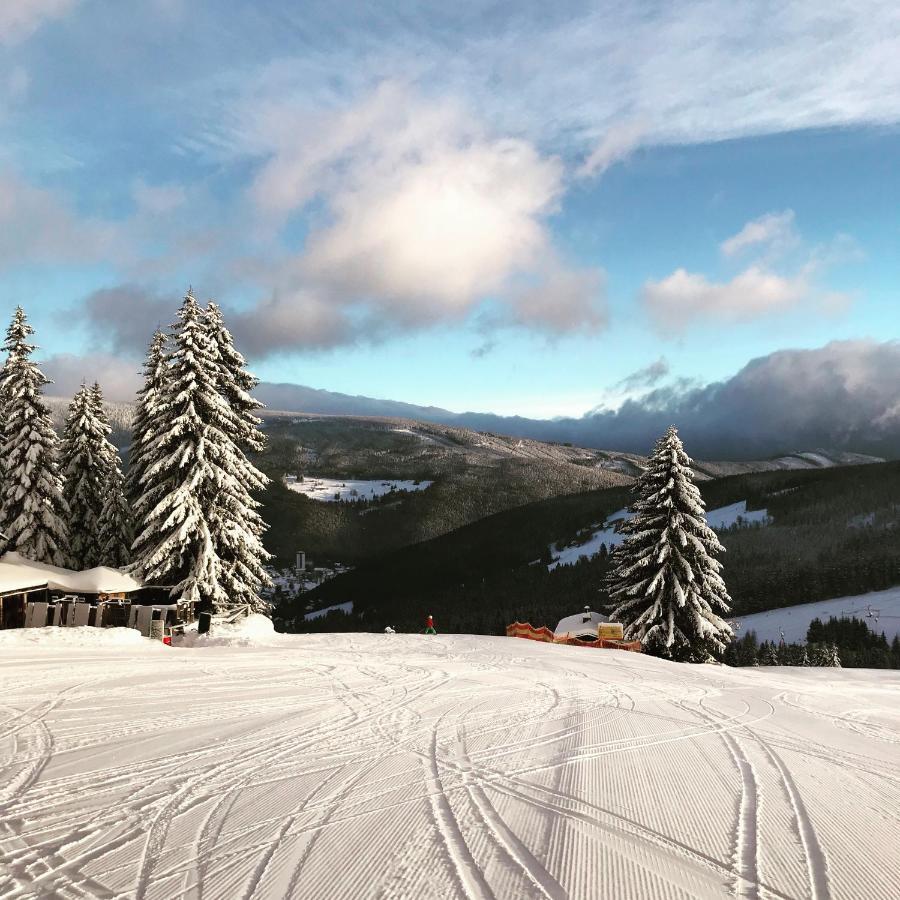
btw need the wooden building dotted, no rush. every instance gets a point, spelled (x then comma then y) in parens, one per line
(33, 594)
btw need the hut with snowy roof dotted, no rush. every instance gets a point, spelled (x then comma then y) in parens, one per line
(582, 626)
(33, 593)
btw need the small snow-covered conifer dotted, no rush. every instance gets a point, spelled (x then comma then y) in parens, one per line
(116, 521)
(116, 529)
(827, 655)
(148, 423)
(664, 585)
(33, 514)
(768, 655)
(85, 460)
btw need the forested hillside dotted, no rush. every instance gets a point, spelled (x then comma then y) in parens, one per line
(833, 531)
(475, 474)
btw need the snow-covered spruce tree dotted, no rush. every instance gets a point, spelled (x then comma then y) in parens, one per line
(184, 463)
(664, 584)
(238, 532)
(200, 477)
(3, 418)
(33, 513)
(827, 655)
(85, 460)
(148, 422)
(116, 531)
(116, 521)
(235, 383)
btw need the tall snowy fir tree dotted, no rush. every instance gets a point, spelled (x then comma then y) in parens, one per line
(193, 530)
(664, 585)
(116, 532)
(239, 530)
(148, 422)
(33, 511)
(84, 464)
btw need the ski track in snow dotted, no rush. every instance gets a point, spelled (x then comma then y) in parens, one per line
(407, 766)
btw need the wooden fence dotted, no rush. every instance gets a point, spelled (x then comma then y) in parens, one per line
(108, 614)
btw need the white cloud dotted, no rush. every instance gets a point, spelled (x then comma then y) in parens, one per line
(562, 301)
(783, 273)
(425, 216)
(14, 85)
(38, 226)
(617, 144)
(773, 230)
(157, 199)
(296, 319)
(682, 297)
(120, 378)
(19, 19)
(435, 235)
(576, 77)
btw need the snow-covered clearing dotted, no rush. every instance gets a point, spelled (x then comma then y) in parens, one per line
(343, 607)
(719, 519)
(355, 765)
(880, 610)
(332, 490)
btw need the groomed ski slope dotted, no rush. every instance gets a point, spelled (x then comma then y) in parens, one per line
(351, 766)
(880, 610)
(717, 519)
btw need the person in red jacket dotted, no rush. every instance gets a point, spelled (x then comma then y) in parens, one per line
(429, 626)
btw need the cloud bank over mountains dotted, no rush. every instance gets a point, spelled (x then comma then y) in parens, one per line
(842, 396)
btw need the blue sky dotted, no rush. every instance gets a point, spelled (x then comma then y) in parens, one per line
(489, 206)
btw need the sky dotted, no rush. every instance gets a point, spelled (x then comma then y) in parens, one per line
(521, 208)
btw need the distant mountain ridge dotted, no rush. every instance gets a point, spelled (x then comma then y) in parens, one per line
(298, 398)
(587, 431)
(286, 400)
(842, 396)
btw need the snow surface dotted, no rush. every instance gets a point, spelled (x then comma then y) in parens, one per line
(252, 631)
(406, 766)
(325, 489)
(794, 620)
(18, 572)
(718, 519)
(344, 607)
(736, 514)
(80, 638)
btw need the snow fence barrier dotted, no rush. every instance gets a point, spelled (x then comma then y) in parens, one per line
(530, 633)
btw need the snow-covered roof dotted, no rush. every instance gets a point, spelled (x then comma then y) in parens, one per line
(18, 573)
(582, 622)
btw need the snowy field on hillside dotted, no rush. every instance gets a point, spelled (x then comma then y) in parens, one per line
(355, 765)
(719, 519)
(333, 490)
(880, 610)
(342, 607)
